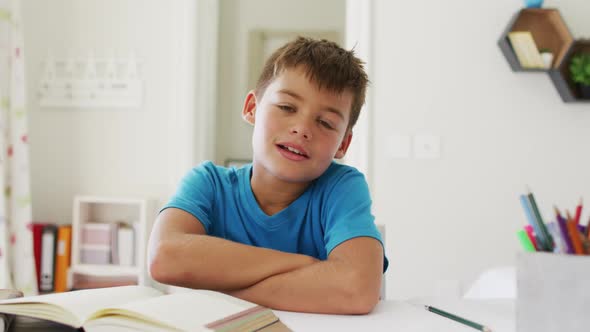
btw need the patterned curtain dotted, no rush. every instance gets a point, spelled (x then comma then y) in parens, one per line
(17, 265)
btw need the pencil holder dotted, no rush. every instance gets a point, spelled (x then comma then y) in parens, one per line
(553, 293)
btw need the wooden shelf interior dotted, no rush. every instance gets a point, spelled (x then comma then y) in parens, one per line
(548, 29)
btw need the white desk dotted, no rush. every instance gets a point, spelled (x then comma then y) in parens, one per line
(410, 316)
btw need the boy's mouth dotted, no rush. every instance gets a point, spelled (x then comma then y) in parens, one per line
(293, 150)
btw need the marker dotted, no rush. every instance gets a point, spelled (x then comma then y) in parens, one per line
(458, 319)
(525, 241)
(531, 234)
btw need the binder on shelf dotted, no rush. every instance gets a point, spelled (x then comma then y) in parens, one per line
(37, 235)
(62, 257)
(48, 242)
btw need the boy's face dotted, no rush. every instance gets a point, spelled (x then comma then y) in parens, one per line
(298, 128)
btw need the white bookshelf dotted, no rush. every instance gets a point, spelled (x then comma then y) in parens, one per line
(130, 211)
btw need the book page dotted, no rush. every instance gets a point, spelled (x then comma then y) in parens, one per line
(80, 304)
(125, 324)
(188, 311)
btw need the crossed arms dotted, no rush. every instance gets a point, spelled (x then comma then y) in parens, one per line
(348, 282)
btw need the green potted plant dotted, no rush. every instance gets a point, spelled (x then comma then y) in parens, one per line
(580, 73)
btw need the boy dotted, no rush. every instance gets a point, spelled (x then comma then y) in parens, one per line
(293, 230)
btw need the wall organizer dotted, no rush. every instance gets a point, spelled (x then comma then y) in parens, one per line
(90, 82)
(550, 32)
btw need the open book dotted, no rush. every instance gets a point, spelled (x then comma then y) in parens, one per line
(137, 308)
(6, 319)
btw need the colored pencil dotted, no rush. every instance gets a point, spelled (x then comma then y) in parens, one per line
(578, 211)
(457, 319)
(574, 234)
(548, 241)
(560, 246)
(564, 231)
(528, 211)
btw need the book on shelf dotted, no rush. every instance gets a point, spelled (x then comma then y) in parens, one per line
(526, 50)
(138, 308)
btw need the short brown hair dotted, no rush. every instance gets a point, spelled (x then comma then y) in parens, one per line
(326, 63)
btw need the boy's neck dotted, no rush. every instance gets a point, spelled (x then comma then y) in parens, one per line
(274, 195)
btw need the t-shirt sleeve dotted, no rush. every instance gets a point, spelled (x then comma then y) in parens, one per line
(195, 194)
(349, 212)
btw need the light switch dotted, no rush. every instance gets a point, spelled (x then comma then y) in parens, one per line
(399, 146)
(426, 146)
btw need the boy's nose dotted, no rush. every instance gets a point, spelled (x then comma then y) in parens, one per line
(301, 130)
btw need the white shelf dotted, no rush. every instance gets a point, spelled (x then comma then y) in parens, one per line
(137, 212)
(105, 270)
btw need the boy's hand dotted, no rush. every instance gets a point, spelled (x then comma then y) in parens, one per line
(181, 254)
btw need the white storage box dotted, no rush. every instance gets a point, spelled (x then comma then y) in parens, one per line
(95, 254)
(553, 293)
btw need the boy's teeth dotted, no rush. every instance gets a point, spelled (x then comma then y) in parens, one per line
(293, 150)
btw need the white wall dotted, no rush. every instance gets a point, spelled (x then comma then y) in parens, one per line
(103, 151)
(237, 18)
(438, 70)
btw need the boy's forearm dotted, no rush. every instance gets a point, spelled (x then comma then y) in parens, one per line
(325, 287)
(206, 262)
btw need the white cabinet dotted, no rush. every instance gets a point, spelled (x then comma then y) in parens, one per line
(95, 260)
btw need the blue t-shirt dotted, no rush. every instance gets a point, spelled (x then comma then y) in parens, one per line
(334, 208)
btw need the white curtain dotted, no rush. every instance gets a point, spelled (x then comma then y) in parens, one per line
(17, 267)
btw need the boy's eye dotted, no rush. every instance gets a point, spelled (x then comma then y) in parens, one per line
(325, 124)
(286, 108)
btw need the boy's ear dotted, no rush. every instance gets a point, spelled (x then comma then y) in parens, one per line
(249, 110)
(344, 145)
